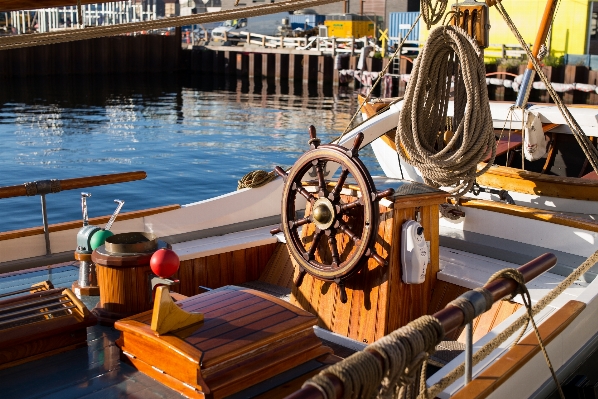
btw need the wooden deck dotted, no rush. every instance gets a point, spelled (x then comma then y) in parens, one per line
(96, 371)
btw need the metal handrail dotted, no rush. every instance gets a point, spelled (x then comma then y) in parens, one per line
(43, 187)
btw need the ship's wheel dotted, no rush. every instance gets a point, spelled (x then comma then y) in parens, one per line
(344, 228)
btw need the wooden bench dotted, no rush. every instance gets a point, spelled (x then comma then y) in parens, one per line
(592, 176)
(506, 144)
(515, 140)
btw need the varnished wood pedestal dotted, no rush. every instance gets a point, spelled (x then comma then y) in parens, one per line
(124, 281)
(378, 300)
(246, 337)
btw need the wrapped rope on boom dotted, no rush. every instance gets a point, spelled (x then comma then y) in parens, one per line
(404, 353)
(449, 54)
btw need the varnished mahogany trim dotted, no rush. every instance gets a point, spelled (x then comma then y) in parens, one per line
(531, 213)
(499, 372)
(78, 182)
(522, 181)
(32, 231)
(533, 183)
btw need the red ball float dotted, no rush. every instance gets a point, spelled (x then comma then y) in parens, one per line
(164, 262)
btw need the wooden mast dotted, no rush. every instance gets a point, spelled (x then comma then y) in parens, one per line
(530, 73)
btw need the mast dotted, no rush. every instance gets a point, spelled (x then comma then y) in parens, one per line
(530, 73)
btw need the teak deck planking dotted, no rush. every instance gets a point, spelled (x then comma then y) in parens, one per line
(378, 302)
(246, 337)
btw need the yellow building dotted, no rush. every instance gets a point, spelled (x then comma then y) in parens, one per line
(350, 25)
(569, 32)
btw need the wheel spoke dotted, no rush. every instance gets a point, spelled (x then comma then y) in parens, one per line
(339, 185)
(346, 207)
(293, 224)
(347, 230)
(333, 248)
(314, 244)
(301, 190)
(321, 182)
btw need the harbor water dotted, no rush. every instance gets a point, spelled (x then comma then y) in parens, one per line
(195, 137)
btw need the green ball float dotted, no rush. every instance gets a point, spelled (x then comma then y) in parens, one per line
(99, 238)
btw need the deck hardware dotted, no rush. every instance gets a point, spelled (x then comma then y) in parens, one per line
(158, 370)
(205, 288)
(468, 351)
(132, 356)
(503, 195)
(41, 188)
(115, 214)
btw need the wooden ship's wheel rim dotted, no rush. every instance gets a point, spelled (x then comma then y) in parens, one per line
(328, 211)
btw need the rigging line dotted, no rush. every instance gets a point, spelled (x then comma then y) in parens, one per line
(382, 73)
(37, 39)
(587, 147)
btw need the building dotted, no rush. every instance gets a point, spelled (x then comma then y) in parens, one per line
(573, 31)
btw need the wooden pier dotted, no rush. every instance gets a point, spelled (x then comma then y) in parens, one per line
(164, 54)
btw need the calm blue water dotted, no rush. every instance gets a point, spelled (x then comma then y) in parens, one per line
(194, 138)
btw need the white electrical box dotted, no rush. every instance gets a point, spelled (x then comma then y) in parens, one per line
(415, 253)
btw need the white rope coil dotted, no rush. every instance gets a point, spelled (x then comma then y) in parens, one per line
(448, 54)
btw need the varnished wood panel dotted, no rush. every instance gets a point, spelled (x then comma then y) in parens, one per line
(484, 323)
(443, 294)
(227, 268)
(378, 302)
(496, 374)
(446, 292)
(280, 268)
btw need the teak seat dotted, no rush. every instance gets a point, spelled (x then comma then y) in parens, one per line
(506, 144)
(592, 176)
(246, 337)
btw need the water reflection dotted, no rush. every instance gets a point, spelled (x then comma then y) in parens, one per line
(195, 136)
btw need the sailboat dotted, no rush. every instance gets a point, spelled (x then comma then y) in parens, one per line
(274, 284)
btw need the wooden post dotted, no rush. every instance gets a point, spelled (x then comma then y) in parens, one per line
(251, 65)
(592, 80)
(277, 65)
(294, 65)
(263, 41)
(321, 76)
(352, 46)
(333, 46)
(575, 74)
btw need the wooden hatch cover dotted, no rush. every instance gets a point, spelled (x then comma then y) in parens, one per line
(44, 322)
(246, 337)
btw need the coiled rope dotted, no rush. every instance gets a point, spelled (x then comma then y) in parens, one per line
(432, 13)
(37, 39)
(449, 53)
(256, 178)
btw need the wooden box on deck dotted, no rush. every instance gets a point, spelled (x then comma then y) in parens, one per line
(246, 337)
(21, 342)
(378, 300)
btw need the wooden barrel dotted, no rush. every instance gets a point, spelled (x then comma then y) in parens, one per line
(124, 279)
